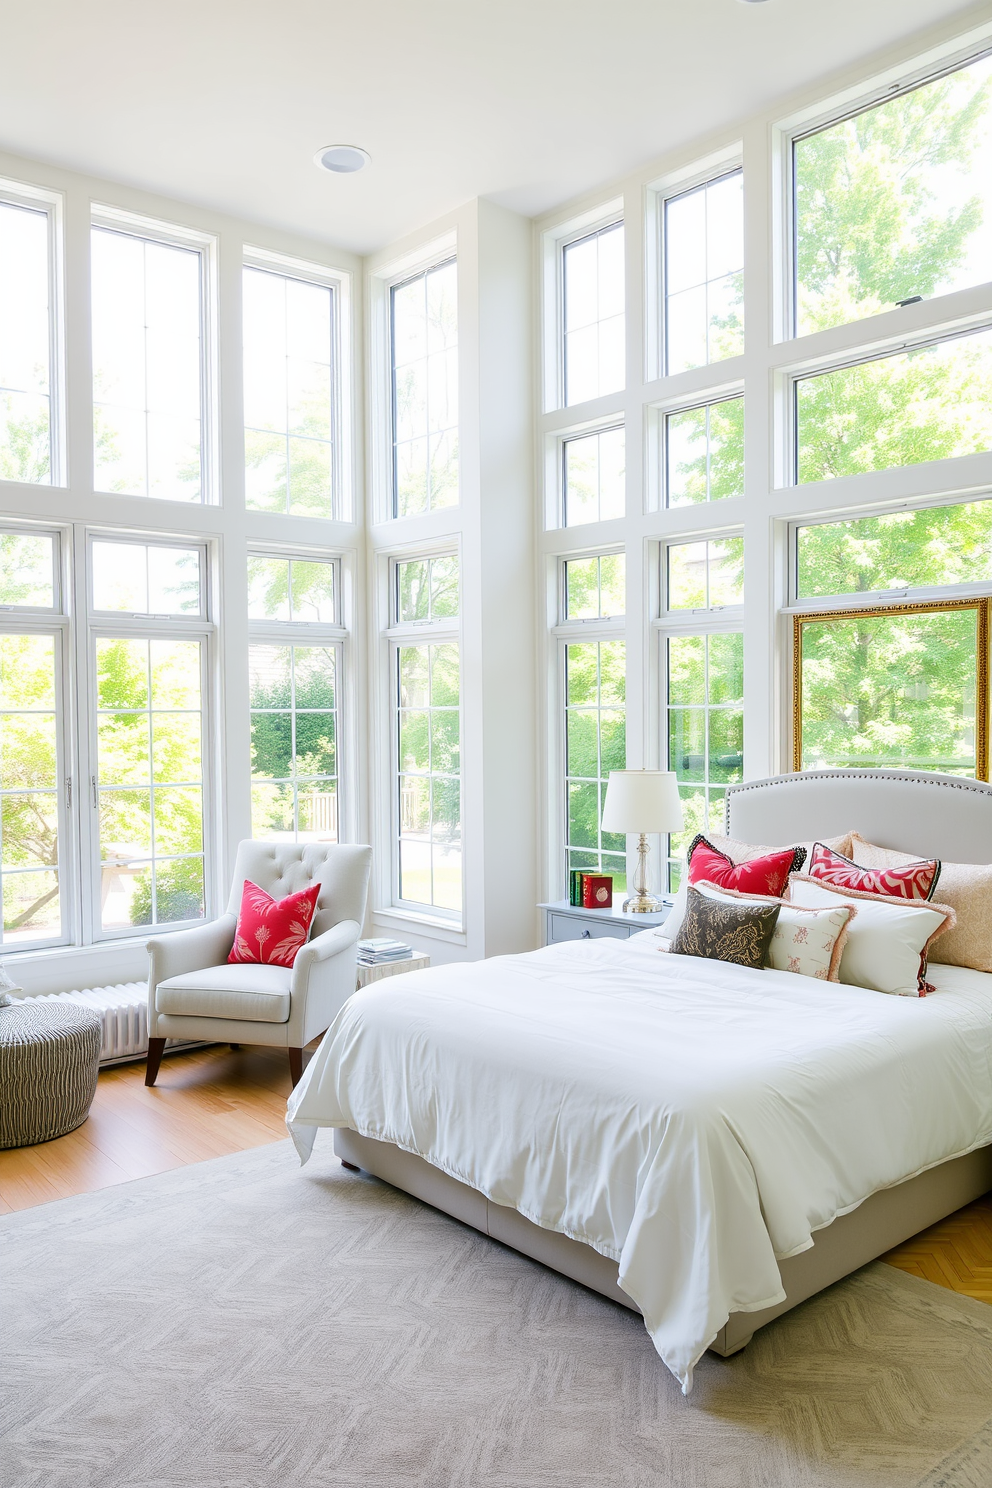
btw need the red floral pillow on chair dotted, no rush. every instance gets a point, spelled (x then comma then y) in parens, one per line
(768, 874)
(271, 932)
(909, 881)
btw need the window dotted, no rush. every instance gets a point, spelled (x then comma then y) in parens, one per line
(294, 672)
(704, 677)
(424, 341)
(26, 334)
(289, 393)
(704, 274)
(31, 771)
(428, 864)
(894, 203)
(27, 570)
(706, 575)
(931, 403)
(932, 546)
(593, 477)
(595, 587)
(704, 453)
(148, 354)
(595, 744)
(146, 579)
(593, 314)
(905, 687)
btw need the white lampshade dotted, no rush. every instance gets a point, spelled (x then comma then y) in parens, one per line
(642, 801)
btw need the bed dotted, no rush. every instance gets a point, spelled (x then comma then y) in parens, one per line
(707, 1145)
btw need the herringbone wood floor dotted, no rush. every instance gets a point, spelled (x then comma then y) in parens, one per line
(215, 1100)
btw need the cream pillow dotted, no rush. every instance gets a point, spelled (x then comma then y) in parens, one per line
(808, 942)
(966, 887)
(888, 944)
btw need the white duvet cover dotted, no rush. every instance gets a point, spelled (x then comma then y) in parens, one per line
(691, 1119)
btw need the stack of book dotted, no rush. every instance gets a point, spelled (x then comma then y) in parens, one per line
(374, 952)
(590, 890)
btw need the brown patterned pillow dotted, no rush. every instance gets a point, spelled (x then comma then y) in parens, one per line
(726, 931)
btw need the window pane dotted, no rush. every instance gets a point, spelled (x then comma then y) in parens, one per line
(291, 589)
(294, 726)
(145, 580)
(593, 304)
(895, 202)
(268, 589)
(147, 367)
(428, 749)
(149, 779)
(27, 570)
(594, 477)
(595, 744)
(705, 689)
(25, 339)
(424, 321)
(706, 575)
(890, 691)
(704, 451)
(704, 274)
(595, 587)
(427, 589)
(900, 550)
(29, 795)
(288, 390)
(929, 404)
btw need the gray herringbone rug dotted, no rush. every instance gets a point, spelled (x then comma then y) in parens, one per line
(246, 1324)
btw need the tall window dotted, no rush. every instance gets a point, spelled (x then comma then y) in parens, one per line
(148, 784)
(427, 735)
(593, 604)
(594, 477)
(148, 378)
(893, 204)
(294, 663)
(25, 344)
(424, 340)
(898, 682)
(704, 274)
(593, 314)
(289, 395)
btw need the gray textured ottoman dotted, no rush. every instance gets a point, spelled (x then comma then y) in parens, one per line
(48, 1067)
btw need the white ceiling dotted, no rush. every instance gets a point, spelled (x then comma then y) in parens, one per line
(529, 102)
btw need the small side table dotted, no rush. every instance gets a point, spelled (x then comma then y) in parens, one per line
(566, 921)
(419, 961)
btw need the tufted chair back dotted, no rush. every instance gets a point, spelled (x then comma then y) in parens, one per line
(282, 868)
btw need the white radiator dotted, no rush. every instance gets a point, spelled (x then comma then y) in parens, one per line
(124, 1013)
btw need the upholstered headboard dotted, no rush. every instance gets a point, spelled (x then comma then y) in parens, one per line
(938, 816)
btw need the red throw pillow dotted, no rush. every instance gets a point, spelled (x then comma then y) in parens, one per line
(911, 881)
(765, 875)
(271, 932)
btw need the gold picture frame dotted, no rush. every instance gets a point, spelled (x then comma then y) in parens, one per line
(983, 617)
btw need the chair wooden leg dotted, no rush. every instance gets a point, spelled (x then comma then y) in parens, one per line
(236, 1047)
(156, 1048)
(296, 1065)
(352, 1167)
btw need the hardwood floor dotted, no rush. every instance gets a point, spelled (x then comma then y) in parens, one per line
(216, 1100)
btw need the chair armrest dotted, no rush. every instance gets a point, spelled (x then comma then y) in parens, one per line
(189, 950)
(341, 937)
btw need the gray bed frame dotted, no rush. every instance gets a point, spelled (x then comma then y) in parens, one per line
(928, 815)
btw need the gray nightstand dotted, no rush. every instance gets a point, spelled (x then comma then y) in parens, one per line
(570, 922)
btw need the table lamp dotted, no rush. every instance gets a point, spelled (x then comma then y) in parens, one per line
(642, 801)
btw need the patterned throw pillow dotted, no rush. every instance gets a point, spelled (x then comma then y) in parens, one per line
(726, 930)
(766, 875)
(271, 932)
(807, 942)
(912, 880)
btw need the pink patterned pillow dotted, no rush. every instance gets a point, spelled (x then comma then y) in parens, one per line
(909, 881)
(271, 932)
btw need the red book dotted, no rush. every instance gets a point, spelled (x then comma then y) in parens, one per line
(597, 891)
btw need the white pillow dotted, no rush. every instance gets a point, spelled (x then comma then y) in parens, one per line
(885, 943)
(807, 942)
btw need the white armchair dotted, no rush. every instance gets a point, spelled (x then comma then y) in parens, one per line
(193, 993)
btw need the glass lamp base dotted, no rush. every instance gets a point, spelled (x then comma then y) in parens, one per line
(642, 904)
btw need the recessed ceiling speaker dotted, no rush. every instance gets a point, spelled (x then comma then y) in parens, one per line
(343, 160)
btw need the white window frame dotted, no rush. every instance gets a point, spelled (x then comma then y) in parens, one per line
(656, 470)
(421, 633)
(555, 503)
(52, 203)
(342, 453)
(553, 245)
(175, 235)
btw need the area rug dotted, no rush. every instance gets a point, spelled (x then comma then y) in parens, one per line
(244, 1323)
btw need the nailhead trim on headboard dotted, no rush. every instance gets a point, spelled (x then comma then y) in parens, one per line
(946, 782)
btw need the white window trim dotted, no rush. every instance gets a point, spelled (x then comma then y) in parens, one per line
(552, 247)
(656, 469)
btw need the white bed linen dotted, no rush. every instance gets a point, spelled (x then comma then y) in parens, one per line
(691, 1119)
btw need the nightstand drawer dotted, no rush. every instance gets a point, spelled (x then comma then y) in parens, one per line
(571, 927)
